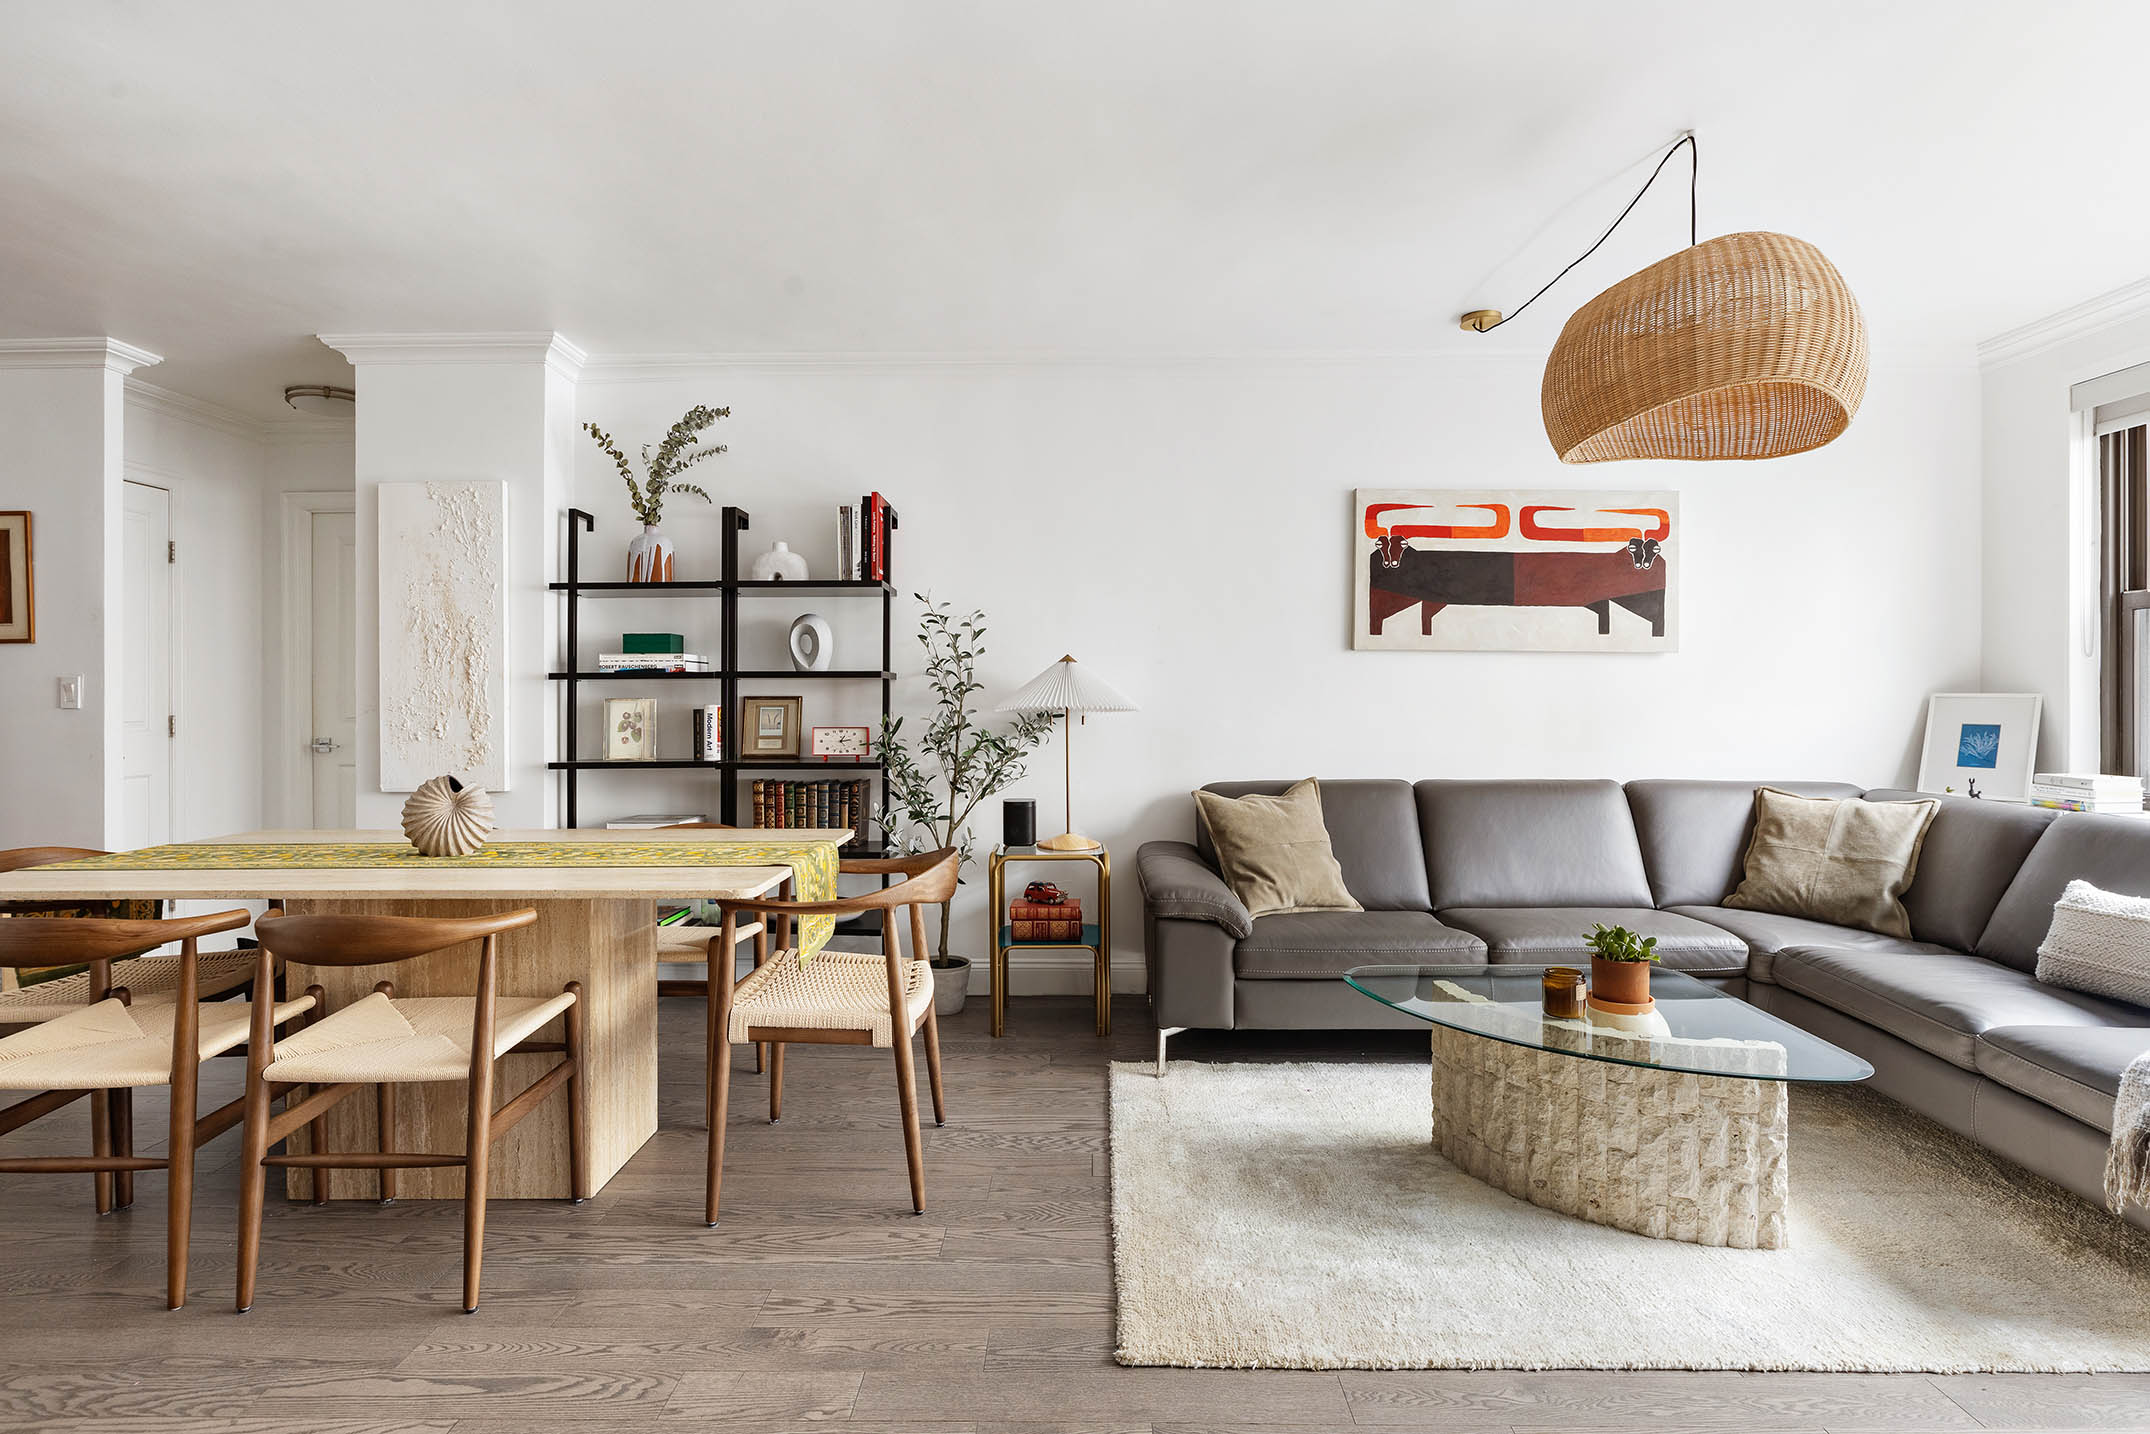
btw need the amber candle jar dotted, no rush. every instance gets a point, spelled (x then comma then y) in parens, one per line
(1563, 993)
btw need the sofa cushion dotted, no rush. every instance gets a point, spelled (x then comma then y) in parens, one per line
(1568, 843)
(1538, 935)
(2100, 943)
(1303, 945)
(2111, 853)
(2074, 1069)
(1941, 1004)
(1275, 851)
(1972, 851)
(1373, 831)
(1833, 859)
(1766, 933)
(1694, 835)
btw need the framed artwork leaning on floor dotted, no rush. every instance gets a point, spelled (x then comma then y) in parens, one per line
(1980, 744)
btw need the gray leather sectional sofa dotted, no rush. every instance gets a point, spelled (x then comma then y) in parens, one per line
(1953, 1020)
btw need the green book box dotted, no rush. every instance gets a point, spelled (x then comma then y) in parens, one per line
(652, 642)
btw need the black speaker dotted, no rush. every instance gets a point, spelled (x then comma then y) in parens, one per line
(1019, 822)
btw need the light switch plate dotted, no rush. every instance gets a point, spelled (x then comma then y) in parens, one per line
(71, 693)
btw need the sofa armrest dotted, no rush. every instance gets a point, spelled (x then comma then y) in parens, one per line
(1177, 883)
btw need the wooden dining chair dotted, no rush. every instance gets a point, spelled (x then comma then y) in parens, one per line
(144, 978)
(113, 1045)
(845, 998)
(384, 1040)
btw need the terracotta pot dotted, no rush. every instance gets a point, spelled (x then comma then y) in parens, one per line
(1627, 982)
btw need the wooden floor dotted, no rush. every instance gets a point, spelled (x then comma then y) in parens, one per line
(820, 1302)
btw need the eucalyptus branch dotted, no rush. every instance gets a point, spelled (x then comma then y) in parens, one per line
(679, 451)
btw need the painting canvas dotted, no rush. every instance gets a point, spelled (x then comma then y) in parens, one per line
(18, 590)
(1507, 570)
(1980, 744)
(444, 633)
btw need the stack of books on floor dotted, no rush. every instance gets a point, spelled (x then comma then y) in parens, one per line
(2086, 792)
(814, 804)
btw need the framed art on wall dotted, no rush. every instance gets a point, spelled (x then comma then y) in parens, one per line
(1980, 744)
(1514, 570)
(771, 727)
(443, 632)
(630, 729)
(18, 588)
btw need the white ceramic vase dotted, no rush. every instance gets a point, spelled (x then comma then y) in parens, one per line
(810, 639)
(446, 818)
(649, 556)
(779, 565)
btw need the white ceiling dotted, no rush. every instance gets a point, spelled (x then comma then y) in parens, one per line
(218, 181)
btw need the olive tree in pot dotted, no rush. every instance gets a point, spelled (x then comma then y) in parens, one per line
(937, 779)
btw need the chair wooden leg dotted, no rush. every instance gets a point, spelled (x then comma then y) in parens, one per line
(477, 1154)
(906, 1077)
(179, 1164)
(776, 1081)
(317, 1129)
(101, 1146)
(253, 1181)
(761, 957)
(933, 1067)
(123, 1144)
(717, 1099)
(384, 1110)
(578, 1132)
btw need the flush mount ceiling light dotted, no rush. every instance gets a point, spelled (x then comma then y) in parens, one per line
(1746, 346)
(321, 398)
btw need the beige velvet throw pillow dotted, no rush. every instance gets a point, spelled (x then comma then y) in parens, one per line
(1846, 862)
(1275, 852)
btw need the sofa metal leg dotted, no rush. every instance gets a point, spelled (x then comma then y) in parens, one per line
(1162, 1033)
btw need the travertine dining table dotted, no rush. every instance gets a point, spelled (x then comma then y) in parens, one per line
(596, 924)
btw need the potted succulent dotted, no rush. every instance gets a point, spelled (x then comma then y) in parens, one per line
(649, 556)
(1620, 964)
(937, 780)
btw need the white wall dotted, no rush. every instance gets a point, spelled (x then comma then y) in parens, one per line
(2039, 496)
(1187, 528)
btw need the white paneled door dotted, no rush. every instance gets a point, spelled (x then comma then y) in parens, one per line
(145, 685)
(335, 669)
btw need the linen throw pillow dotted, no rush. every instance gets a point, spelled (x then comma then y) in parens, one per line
(2099, 942)
(1275, 851)
(1846, 862)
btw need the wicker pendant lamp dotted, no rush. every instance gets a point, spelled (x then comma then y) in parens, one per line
(1747, 346)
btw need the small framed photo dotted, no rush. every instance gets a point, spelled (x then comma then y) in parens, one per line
(1980, 744)
(630, 729)
(771, 727)
(18, 590)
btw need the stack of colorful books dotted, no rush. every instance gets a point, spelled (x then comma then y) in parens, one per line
(815, 804)
(2087, 792)
(1045, 921)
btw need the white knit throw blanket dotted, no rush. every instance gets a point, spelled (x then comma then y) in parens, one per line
(2127, 1159)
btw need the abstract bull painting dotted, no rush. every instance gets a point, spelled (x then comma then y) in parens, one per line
(1472, 570)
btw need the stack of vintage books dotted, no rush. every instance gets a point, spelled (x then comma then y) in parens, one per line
(1045, 921)
(2087, 792)
(815, 804)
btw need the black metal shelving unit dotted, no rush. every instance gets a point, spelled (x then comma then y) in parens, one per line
(727, 591)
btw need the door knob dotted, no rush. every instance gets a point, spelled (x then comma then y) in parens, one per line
(321, 746)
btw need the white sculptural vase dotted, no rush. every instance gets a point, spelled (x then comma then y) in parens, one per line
(446, 818)
(810, 642)
(779, 565)
(649, 556)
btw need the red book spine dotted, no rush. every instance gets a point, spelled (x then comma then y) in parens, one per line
(1069, 910)
(1045, 930)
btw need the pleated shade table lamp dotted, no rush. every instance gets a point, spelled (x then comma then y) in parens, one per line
(1073, 691)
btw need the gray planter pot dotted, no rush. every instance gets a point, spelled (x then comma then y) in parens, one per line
(951, 986)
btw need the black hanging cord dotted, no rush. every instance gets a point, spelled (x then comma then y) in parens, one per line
(1694, 153)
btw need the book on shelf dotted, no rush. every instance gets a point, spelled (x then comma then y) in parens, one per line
(708, 733)
(873, 540)
(1045, 921)
(839, 804)
(650, 820)
(2064, 801)
(847, 541)
(652, 662)
(2102, 784)
(653, 642)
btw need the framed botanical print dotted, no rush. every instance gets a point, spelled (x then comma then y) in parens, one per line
(771, 727)
(630, 729)
(18, 589)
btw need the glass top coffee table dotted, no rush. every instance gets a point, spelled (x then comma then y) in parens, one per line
(1679, 1131)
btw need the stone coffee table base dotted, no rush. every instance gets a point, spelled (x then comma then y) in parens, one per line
(1661, 1153)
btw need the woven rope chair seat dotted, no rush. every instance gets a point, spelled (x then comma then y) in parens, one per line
(150, 980)
(413, 1038)
(694, 942)
(112, 1045)
(836, 991)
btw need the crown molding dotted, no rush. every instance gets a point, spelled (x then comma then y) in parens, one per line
(559, 354)
(186, 409)
(2117, 306)
(109, 354)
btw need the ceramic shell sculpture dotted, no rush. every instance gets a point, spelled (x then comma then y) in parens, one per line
(446, 818)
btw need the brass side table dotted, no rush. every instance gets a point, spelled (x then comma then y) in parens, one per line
(1097, 939)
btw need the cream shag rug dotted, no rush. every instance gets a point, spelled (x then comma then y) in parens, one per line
(1296, 1217)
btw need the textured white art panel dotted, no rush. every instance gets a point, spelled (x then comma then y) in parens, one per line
(444, 633)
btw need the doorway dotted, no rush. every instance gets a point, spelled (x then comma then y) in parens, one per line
(320, 701)
(146, 720)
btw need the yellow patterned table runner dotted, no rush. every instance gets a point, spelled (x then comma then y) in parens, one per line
(813, 863)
